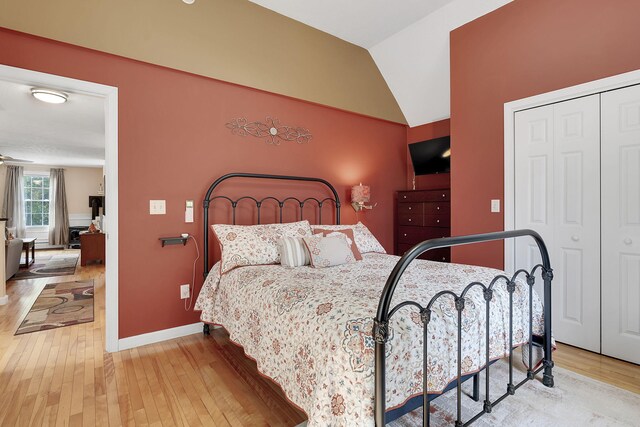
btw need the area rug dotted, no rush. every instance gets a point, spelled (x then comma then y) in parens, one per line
(574, 401)
(57, 265)
(60, 304)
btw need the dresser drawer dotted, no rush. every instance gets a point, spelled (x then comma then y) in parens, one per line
(437, 208)
(413, 235)
(437, 221)
(436, 195)
(416, 219)
(441, 254)
(410, 208)
(423, 196)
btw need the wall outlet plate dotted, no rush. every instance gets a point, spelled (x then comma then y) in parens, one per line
(184, 291)
(495, 205)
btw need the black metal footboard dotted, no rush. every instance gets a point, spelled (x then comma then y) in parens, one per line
(385, 312)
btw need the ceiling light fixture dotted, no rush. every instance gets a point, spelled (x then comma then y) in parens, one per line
(50, 96)
(189, 1)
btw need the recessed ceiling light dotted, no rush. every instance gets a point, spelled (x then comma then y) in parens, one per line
(189, 1)
(50, 96)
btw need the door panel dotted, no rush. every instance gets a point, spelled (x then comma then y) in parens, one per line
(558, 194)
(621, 223)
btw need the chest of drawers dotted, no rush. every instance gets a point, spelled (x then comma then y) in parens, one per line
(423, 215)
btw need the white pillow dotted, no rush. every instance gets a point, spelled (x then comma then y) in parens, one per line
(365, 240)
(293, 252)
(254, 244)
(329, 251)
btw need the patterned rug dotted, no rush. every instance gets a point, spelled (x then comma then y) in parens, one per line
(48, 266)
(575, 401)
(60, 304)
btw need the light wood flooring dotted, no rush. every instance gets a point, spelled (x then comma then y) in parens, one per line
(64, 377)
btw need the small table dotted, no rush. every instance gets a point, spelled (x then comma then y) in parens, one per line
(91, 247)
(29, 243)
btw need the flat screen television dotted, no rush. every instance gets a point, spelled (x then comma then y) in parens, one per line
(432, 156)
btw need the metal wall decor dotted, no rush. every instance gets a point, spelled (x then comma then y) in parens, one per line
(270, 129)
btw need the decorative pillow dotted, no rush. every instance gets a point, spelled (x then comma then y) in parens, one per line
(329, 251)
(350, 238)
(254, 244)
(293, 252)
(365, 240)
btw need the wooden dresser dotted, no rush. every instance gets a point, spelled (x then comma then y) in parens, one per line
(424, 215)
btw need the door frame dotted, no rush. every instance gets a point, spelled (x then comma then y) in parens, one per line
(110, 95)
(511, 108)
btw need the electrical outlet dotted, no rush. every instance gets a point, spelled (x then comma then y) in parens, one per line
(495, 205)
(184, 291)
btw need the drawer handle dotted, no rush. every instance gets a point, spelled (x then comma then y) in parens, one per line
(444, 258)
(405, 234)
(437, 208)
(444, 195)
(409, 207)
(409, 219)
(437, 220)
(404, 197)
(628, 241)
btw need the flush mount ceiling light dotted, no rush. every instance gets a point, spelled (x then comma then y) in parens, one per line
(49, 95)
(189, 1)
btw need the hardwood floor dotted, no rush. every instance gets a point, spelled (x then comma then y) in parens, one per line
(64, 377)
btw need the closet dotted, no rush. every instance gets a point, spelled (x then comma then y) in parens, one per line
(577, 182)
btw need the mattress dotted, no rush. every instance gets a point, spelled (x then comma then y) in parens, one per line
(310, 329)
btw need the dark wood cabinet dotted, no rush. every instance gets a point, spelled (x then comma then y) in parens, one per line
(424, 215)
(92, 247)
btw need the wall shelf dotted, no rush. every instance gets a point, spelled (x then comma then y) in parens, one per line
(173, 240)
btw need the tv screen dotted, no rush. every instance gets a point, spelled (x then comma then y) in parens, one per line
(432, 156)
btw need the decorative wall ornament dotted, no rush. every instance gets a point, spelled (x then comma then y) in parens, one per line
(270, 129)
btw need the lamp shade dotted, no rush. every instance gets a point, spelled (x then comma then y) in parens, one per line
(360, 193)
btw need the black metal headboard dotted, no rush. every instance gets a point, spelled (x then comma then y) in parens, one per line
(234, 203)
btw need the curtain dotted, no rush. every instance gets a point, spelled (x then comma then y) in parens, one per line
(13, 208)
(58, 214)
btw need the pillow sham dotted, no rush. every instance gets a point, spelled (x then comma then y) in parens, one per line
(365, 240)
(293, 252)
(329, 251)
(243, 245)
(348, 232)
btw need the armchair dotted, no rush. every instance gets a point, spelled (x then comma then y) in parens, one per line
(13, 251)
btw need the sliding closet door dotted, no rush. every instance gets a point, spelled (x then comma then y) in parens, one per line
(558, 194)
(621, 223)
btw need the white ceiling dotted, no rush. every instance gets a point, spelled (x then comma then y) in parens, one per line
(69, 134)
(361, 22)
(408, 40)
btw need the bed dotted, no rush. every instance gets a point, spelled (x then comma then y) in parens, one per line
(346, 343)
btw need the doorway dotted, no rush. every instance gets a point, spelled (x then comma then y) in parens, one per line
(109, 95)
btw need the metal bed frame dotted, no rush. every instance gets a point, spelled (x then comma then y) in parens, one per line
(385, 312)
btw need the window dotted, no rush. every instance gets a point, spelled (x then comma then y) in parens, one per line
(36, 200)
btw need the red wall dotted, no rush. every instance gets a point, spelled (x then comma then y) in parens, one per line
(423, 133)
(173, 143)
(525, 48)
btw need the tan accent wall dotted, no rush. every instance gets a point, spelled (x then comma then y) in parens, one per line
(231, 40)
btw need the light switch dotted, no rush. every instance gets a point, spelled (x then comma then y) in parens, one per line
(495, 205)
(157, 207)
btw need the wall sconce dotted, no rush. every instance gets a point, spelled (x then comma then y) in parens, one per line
(360, 195)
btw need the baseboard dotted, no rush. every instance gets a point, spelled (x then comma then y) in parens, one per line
(157, 336)
(4, 300)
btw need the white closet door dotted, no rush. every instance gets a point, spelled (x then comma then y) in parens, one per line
(621, 223)
(558, 194)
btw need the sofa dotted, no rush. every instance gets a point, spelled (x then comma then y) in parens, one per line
(13, 251)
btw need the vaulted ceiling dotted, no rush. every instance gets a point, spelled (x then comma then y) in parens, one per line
(408, 40)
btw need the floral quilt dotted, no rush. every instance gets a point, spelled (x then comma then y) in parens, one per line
(310, 329)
